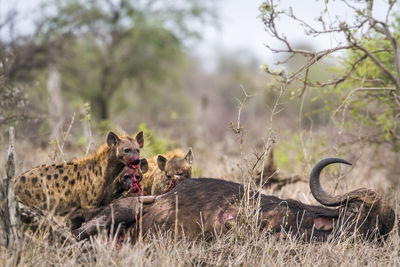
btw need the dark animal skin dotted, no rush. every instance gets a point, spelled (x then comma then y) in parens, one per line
(207, 206)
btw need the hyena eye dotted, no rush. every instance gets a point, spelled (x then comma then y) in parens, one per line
(169, 176)
(137, 151)
(127, 176)
(127, 150)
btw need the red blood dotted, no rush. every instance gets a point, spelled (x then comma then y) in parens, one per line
(135, 187)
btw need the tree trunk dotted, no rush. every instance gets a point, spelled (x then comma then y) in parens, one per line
(8, 205)
(56, 107)
(102, 106)
(105, 94)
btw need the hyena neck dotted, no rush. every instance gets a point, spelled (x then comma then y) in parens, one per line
(105, 158)
(113, 166)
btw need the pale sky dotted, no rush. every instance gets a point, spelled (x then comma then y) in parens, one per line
(241, 29)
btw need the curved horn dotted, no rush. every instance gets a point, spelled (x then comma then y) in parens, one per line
(315, 186)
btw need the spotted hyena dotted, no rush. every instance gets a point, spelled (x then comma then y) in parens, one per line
(81, 183)
(163, 168)
(122, 184)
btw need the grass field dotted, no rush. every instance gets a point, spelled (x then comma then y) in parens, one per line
(244, 245)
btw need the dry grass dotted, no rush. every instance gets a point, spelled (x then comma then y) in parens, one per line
(243, 245)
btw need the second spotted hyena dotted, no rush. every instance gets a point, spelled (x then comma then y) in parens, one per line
(123, 183)
(162, 169)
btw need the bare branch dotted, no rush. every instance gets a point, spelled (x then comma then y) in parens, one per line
(238, 129)
(391, 5)
(380, 65)
(316, 57)
(377, 25)
(343, 78)
(346, 101)
(383, 28)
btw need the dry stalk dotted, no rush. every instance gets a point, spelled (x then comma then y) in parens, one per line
(65, 136)
(269, 138)
(176, 221)
(87, 127)
(141, 223)
(238, 129)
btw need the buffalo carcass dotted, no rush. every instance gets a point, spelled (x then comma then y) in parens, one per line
(208, 205)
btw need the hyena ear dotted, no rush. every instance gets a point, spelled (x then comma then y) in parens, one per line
(161, 161)
(144, 165)
(112, 139)
(189, 156)
(139, 138)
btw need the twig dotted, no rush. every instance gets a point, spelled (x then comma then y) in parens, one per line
(65, 136)
(346, 101)
(238, 129)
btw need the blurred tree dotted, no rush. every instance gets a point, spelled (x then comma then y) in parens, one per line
(121, 43)
(21, 54)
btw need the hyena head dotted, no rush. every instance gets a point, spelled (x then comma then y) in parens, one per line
(124, 180)
(181, 166)
(125, 149)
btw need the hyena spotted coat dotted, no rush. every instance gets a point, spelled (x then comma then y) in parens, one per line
(81, 183)
(162, 168)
